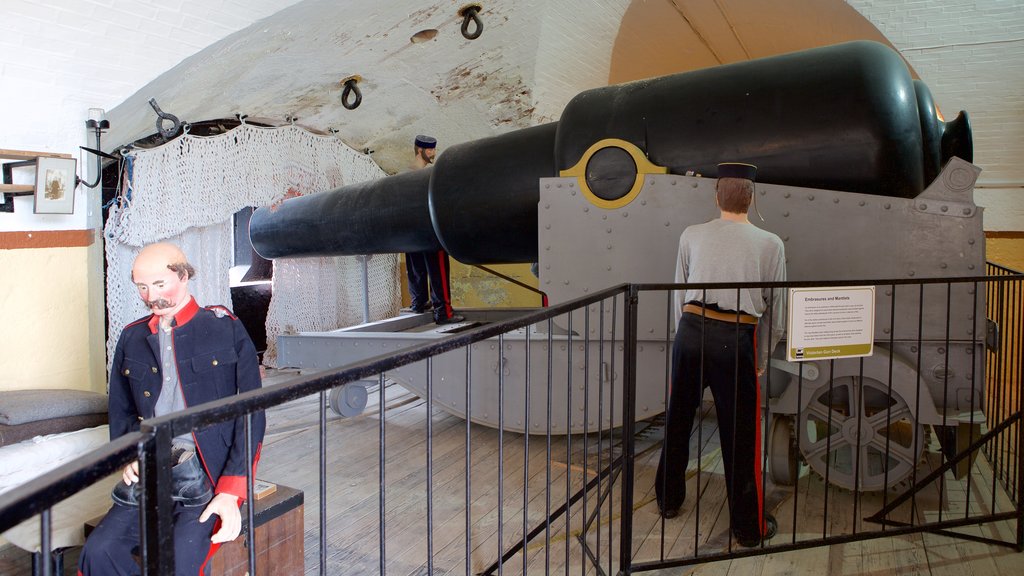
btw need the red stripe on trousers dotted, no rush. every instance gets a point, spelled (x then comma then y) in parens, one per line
(757, 443)
(444, 283)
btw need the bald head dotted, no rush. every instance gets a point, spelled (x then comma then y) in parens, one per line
(163, 256)
(161, 273)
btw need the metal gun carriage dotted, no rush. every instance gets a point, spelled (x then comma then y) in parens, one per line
(858, 174)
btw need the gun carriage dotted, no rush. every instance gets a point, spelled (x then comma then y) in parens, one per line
(858, 174)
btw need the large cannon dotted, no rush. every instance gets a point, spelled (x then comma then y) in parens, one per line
(846, 117)
(852, 156)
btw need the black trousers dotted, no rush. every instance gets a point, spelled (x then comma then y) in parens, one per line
(719, 355)
(429, 278)
(112, 549)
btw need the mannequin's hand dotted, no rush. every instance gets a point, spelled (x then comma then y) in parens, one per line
(226, 507)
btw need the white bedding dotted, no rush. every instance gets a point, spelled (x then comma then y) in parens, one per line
(21, 462)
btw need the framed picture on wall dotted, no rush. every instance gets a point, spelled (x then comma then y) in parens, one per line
(55, 185)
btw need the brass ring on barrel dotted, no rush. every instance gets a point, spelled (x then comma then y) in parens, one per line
(642, 164)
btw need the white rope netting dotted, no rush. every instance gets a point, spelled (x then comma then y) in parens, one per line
(187, 192)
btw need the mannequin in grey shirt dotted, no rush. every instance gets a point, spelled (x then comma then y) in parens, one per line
(718, 344)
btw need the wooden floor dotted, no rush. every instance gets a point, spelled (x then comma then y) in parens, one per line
(352, 495)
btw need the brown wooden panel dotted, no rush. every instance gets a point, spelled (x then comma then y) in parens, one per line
(47, 239)
(280, 549)
(28, 155)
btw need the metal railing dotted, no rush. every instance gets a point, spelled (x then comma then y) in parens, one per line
(455, 496)
(960, 443)
(562, 478)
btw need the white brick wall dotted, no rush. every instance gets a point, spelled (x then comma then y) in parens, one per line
(971, 55)
(58, 58)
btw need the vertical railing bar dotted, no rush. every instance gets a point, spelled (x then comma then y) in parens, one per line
(568, 446)
(1018, 464)
(945, 385)
(600, 426)
(156, 506)
(797, 432)
(45, 553)
(1002, 395)
(917, 400)
(996, 449)
(766, 425)
(1013, 468)
(250, 536)
(430, 464)
(997, 393)
(586, 432)
(382, 476)
(611, 425)
(1018, 486)
(469, 460)
(859, 410)
(547, 472)
(888, 409)
(994, 381)
(730, 472)
(989, 373)
(526, 456)
(828, 447)
(501, 450)
(700, 427)
(322, 456)
(1016, 351)
(669, 316)
(629, 337)
(974, 380)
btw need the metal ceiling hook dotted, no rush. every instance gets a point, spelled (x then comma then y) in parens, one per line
(470, 14)
(167, 133)
(351, 96)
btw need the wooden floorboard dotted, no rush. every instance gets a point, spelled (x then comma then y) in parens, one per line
(290, 457)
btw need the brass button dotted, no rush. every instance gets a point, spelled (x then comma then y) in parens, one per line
(155, 370)
(146, 393)
(127, 371)
(214, 362)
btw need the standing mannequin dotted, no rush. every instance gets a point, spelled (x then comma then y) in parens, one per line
(429, 272)
(716, 346)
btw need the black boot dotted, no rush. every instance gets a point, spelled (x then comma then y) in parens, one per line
(191, 485)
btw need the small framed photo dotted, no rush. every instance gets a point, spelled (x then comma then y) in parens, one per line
(55, 185)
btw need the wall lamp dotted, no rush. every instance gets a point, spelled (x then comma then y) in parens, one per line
(98, 123)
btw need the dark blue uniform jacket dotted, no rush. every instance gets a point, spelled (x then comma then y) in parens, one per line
(215, 359)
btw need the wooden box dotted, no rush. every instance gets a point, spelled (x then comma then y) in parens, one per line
(280, 549)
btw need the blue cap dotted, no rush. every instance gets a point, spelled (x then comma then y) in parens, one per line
(737, 170)
(426, 141)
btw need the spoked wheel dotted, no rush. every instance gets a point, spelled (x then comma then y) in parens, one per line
(854, 434)
(783, 455)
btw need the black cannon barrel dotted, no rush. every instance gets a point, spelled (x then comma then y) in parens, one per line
(376, 217)
(484, 194)
(844, 117)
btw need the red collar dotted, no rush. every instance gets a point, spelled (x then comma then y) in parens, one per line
(182, 317)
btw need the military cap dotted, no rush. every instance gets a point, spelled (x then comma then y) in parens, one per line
(426, 141)
(737, 170)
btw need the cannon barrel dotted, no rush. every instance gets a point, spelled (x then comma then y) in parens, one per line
(847, 117)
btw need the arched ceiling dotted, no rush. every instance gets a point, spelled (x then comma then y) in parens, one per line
(531, 59)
